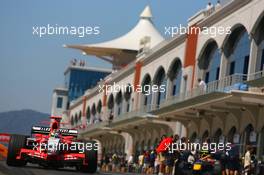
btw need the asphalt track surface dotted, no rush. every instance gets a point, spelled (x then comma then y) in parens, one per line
(32, 169)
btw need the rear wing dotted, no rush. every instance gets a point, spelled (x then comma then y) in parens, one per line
(46, 130)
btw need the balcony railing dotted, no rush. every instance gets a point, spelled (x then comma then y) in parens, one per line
(256, 75)
(224, 85)
(138, 112)
(94, 126)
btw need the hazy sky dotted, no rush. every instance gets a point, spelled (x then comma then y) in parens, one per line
(31, 67)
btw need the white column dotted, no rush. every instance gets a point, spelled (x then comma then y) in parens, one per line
(183, 130)
(178, 128)
(153, 100)
(129, 145)
(169, 88)
(223, 68)
(124, 106)
(253, 57)
(223, 64)
(104, 113)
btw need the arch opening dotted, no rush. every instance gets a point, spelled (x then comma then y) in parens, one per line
(119, 100)
(146, 92)
(161, 82)
(237, 50)
(111, 103)
(88, 115)
(209, 62)
(127, 97)
(258, 37)
(175, 76)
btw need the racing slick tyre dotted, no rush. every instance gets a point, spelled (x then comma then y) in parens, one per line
(16, 142)
(91, 159)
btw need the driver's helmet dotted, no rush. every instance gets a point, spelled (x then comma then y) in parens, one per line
(57, 134)
(52, 134)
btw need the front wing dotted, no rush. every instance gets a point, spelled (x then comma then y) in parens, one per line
(63, 158)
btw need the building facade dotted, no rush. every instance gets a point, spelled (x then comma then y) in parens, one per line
(230, 108)
(75, 85)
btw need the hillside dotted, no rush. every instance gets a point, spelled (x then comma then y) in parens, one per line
(20, 122)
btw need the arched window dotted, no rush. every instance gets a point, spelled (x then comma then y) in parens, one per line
(111, 103)
(127, 96)
(247, 137)
(80, 116)
(146, 91)
(193, 137)
(99, 110)
(99, 106)
(119, 100)
(175, 76)
(237, 49)
(205, 136)
(231, 134)
(93, 112)
(217, 135)
(161, 82)
(209, 62)
(88, 115)
(76, 119)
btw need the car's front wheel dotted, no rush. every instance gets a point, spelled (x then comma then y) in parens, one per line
(16, 142)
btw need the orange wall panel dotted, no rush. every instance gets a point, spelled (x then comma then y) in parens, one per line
(137, 74)
(190, 49)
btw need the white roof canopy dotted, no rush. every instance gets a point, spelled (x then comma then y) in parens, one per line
(122, 50)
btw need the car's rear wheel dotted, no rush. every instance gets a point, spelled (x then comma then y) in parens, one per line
(16, 142)
(90, 158)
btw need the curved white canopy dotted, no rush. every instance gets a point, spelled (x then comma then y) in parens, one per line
(126, 46)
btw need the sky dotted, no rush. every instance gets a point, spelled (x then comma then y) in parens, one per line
(32, 66)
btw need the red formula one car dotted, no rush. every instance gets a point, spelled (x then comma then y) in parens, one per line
(53, 147)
